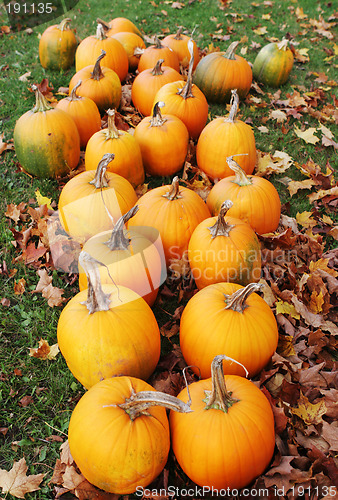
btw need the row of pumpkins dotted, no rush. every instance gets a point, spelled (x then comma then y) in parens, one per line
(221, 428)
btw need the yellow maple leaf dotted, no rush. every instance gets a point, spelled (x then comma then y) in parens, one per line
(43, 200)
(262, 30)
(300, 13)
(323, 265)
(294, 186)
(286, 308)
(44, 351)
(308, 412)
(305, 219)
(316, 302)
(285, 346)
(307, 135)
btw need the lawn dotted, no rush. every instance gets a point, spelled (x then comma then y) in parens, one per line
(295, 129)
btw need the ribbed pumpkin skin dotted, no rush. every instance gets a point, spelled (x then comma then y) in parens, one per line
(258, 204)
(146, 85)
(130, 41)
(235, 258)
(163, 148)
(106, 92)
(174, 219)
(128, 158)
(220, 139)
(152, 54)
(85, 114)
(224, 450)
(180, 46)
(113, 452)
(193, 111)
(47, 143)
(207, 328)
(122, 341)
(57, 47)
(272, 65)
(138, 268)
(216, 76)
(116, 57)
(81, 205)
(119, 24)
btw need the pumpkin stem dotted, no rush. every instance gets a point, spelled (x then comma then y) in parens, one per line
(157, 119)
(174, 191)
(237, 301)
(105, 25)
(230, 52)
(100, 180)
(100, 34)
(97, 300)
(139, 402)
(64, 25)
(219, 398)
(186, 91)
(73, 96)
(221, 227)
(41, 103)
(111, 132)
(97, 71)
(118, 239)
(157, 70)
(240, 176)
(283, 45)
(178, 35)
(234, 103)
(158, 44)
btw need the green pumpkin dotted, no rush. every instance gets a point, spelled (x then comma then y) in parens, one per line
(273, 64)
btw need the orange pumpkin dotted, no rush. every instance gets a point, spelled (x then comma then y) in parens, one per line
(219, 72)
(224, 248)
(148, 82)
(128, 158)
(186, 101)
(273, 63)
(57, 46)
(133, 44)
(119, 24)
(112, 328)
(119, 434)
(102, 85)
(86, 198)
(255, 199)
(84, 112)
(163, 141)
(91, 47)
(130, 259)
(228, 439)
(179, 43)
(155, 52)
(174, 211)
(224, 137)
(226, 317)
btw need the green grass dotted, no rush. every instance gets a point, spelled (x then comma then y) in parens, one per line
(52, 387)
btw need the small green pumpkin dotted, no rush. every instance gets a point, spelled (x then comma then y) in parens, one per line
(273, 64)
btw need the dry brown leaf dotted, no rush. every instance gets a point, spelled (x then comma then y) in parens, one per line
(322, 193)
(294, 186)
(66, 456)
(17, 483)
(44, 351)
(308, 412)
(19, 287)
(4, 146)
(277, 115)
(49, 292)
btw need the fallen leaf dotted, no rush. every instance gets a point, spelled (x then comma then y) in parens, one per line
(19, 287)
(25, 401)
(261, 30)
(307, 135)
(286, 308)
(305, 219)
(263, 129)
(44, 351)
(43, 200)
(294, 186)
(322, 193)
(16, 482)
(25, 76)
(308, 412)
(277, 115)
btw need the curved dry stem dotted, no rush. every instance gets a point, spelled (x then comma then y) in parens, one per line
(221, 227)
(157, 119)
(100, 180)
(240, 176)
(41, 103)
(97, 71)
(97, 300)
(118, 239)
(237, 301)
(174, 191)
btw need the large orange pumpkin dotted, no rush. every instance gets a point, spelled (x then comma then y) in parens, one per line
(174, 211)
(223, 137)
(226, 317)
(130, 259)
(133, 44)
(46, 140)
(224, 248)
(119, 434)
(255, 199)
(179, 43)
(91, 47)
(220, 72)
(124, 146)
(228, 439)
(155, 52)
(89, 201)
(107, 331)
